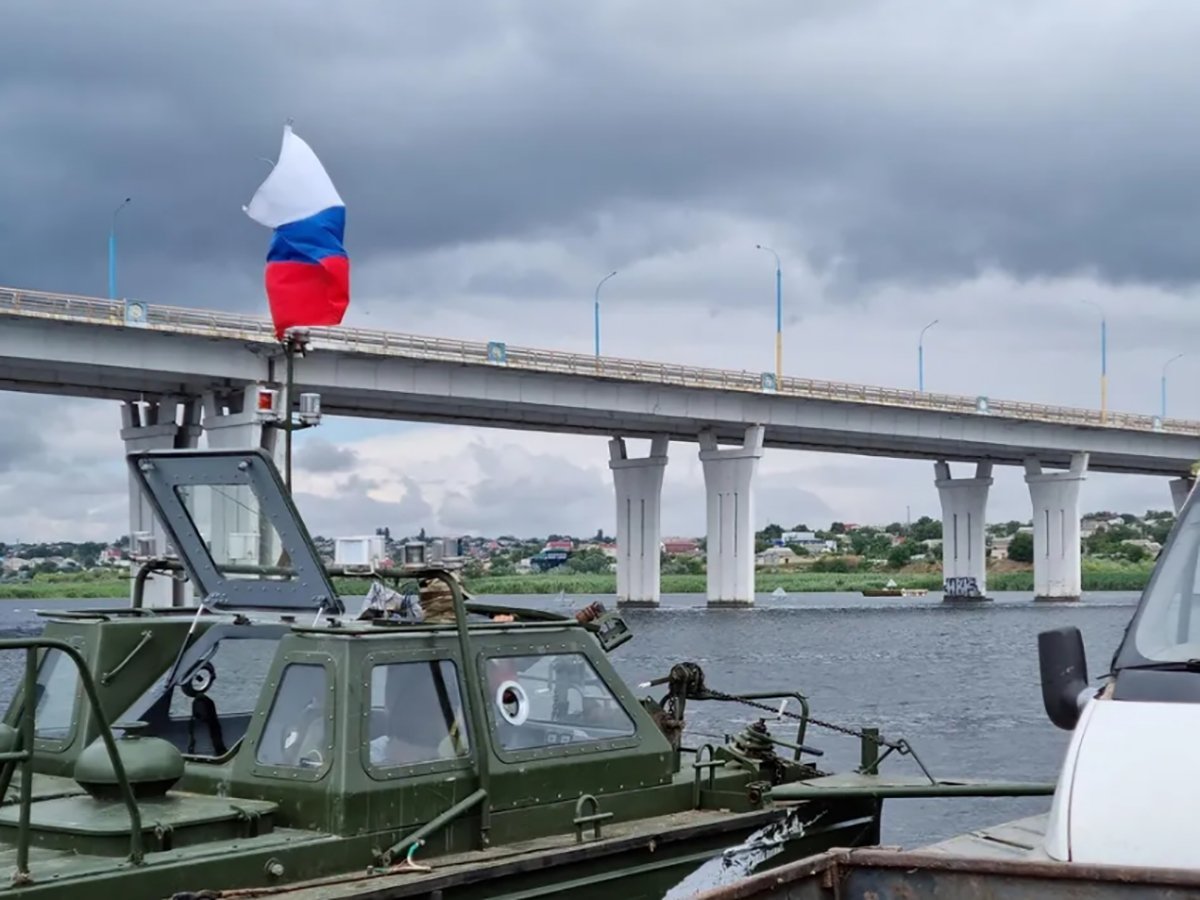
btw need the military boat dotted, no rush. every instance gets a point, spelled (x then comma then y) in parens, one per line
(268, 741)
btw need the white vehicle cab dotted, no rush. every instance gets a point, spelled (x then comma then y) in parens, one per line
(1127, 793)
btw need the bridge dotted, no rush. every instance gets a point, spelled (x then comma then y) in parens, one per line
(180, 372)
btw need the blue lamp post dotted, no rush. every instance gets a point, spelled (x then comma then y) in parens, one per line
(112, 250)
(596, 309)
(921, 356)
(778, 314)
(1163, 384)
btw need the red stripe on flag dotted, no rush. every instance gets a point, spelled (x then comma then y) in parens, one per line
(307, 294)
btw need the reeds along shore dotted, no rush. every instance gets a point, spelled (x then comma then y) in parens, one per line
(1098, 575)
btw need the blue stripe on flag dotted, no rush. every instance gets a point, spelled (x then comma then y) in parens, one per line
(311, 239)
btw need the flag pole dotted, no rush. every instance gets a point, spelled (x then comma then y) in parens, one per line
(290, 349)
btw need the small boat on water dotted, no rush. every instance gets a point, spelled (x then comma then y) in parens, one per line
(891, 590)
(268, 741)
(1122, 818)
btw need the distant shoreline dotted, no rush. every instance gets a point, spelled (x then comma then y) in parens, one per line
(1097, 576)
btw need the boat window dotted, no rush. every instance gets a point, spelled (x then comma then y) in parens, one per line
(295, 733)
(208, 709)
(239, 536)
(416, 714)
(57, 687)
(1168, 626)
(537, 701)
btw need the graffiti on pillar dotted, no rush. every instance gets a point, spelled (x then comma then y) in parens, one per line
(961, 586)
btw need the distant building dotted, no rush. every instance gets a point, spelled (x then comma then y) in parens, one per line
(999, 548)
(808, 541)
(1151, 547)
(550, 557)
(774, 557)
(681, 546)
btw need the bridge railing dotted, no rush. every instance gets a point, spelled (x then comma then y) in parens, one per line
(184, 320)
(475, 353)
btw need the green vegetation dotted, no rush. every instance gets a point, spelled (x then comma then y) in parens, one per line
(837, 575)
(76, 588)
(1020, 547)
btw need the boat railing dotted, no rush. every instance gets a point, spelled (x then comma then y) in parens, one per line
(23, 754)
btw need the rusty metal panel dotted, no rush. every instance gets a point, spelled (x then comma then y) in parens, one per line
(895, 875)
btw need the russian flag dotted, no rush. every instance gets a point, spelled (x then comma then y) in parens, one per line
(308, 271)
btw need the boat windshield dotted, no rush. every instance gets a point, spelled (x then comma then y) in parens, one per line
(1167, 628)
(237, 531)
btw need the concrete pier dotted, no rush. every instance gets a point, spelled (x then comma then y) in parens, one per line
(165, 423)
(638, 488)
(728, 481)
(1056, 551)
(964, 546)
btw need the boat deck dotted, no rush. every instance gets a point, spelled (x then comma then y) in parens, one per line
(1020, 839)
(475, 866)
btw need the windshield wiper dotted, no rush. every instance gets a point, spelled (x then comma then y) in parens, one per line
(1179, 665)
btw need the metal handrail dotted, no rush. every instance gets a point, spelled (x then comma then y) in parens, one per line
(24, 756)
(376, 342)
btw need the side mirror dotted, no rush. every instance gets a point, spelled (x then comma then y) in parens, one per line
(1064, 674)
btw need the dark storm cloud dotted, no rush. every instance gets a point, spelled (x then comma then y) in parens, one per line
(19, 442)
(322, 456)
(903, 142)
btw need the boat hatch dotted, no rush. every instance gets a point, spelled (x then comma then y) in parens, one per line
(233, 524)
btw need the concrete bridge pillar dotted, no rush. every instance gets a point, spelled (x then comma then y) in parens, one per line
(728, 481)
(1056, 552)
(166, 423)
(638, 484)
(1180, 488)
(229, 518)
(964, 549)
(231, 422)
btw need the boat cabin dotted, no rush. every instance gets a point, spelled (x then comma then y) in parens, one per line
(270, 688)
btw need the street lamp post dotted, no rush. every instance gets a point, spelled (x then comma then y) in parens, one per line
(596, 309)
(778, 314)
(921, 356)
(1163, 384)
(112, 250)
(1103, 359)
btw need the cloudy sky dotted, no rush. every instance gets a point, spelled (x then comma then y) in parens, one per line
(989, 165)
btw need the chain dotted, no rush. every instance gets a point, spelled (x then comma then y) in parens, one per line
(901, 746)
(831, 726)
(687, 680)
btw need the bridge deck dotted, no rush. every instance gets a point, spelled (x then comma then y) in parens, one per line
(85, 346)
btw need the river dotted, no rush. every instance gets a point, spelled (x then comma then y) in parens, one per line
(959, 682)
